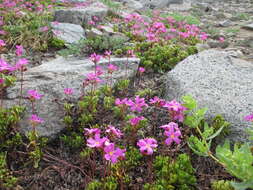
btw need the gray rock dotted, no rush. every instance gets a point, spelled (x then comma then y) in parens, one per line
(159, 3)
(225, 23)
(216, 44)
(219, 82)
(50, 79)
(132, 4)
(202, 47)
(81, 15)
(249, 26)
(70, 33)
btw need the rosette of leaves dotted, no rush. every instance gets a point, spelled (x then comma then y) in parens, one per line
(170, 175)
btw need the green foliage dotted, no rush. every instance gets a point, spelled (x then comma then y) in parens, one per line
(56, 43)
(115, 6)
(238, 162)
(133, 157)
(195, 119)
(122, 85)
(221, 185)
(162, 58)
(170, 175)
(74, 140)
(109, 183)
(6, 178)
(90, 45)
(147, 92)
(9, 138)
(219, 122)
(25, 29)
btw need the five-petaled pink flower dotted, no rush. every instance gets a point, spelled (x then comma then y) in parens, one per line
(34, 95)
(113, 154)
(96, 141)
(136, 120)
(19, 50)
(170, 127)
(20, 63)
(115, 132)
(138, 104)
(111, 68)
(147, 145)
(173, 135)
(92, 131)
(249, 117)
(35, 120)
(68, 91)
(2, 43)
(141, 69)
(176, 110)
(95, 58)
(157, 101)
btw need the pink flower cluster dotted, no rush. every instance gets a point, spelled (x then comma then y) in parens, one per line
(137, 105)
(176, 110)
(162, 28)
(172, 132)
(109, 149)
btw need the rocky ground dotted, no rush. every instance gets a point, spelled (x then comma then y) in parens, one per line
(229, 24)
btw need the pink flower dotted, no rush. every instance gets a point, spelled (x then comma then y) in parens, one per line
(173, 135)
(111, 68)
(170, 127)
(130, 53)
(138, 104)
(95, 58)
(141, 69)
(111, 129)
(68, 91)
(108, 53)
(2, 43)
(35, 120)
(92, 78)
(203, 36)
(249, 117)
(147, 145)
(5, 67)
(92, 131)
(96, 141)
(136, 120)
(21, 62)
(2, 81)
(19, 50)
(34, 95)
(176, 110)
(112, 154)
(44, 29)
(157, 101)
(221, 39)
(119, 102)
(91, 22)
(55, 23)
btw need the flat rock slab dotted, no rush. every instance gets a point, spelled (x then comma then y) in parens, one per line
(69, 33)
(81, 15)
(218, 82)
(248, 26)
(50, 79)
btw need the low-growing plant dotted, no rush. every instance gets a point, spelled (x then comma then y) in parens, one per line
(98, 44)
(169, 174)
(7, 180)
(221, 185)
(163, 58)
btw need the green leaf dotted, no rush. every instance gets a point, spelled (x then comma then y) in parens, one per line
(189, 102)
(216, 133)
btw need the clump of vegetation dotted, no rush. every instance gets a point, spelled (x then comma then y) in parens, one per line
(170, 174)
(221, 185)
